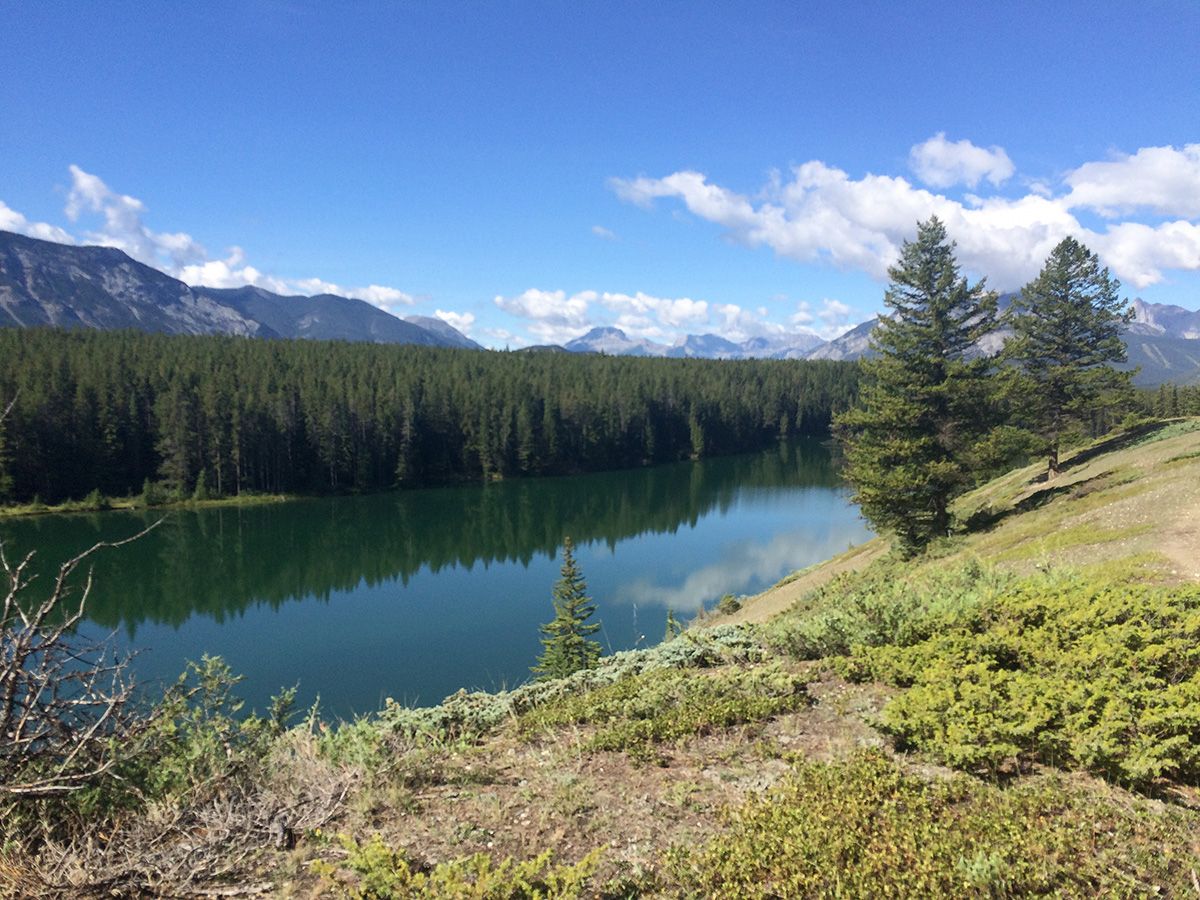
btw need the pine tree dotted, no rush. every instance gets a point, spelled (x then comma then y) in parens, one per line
(1067, 333)
(565, 640)
(923, 401)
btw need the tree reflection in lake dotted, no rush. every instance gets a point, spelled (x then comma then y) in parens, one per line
(416, 593)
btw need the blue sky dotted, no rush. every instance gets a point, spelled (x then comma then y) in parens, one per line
(530, 169)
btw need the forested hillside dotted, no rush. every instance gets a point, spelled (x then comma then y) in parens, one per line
(110, 411)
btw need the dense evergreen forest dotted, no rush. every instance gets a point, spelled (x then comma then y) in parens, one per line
(1170, 400)
(114, 411)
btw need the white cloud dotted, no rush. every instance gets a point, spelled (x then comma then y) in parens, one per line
(121, 225)
(554, 317)
(1141, 253)
(603, 233)
(11, 220)
(821, 214)
(549, 306)
(230, 272)
(502, 337)
(1161, 179)
(735, 323)
(460, 321)
(667, 311)
(941, 163)
(803, 314)
(834, 311)
(382, 296)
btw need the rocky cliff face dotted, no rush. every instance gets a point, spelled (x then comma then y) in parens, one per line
(61, 285)
(42, 283)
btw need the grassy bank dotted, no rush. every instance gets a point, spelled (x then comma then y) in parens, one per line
(1016, 713)
(98, 503)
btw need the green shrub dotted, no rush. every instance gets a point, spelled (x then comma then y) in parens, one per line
(468, 716)
(200, 736)
(1092, 671)
(653, 708)
(728, 605)
(383, 873)
(153, 493)
(94, 501)
(1099, 674)
(885, 605)
(862, 828)
(201, 491)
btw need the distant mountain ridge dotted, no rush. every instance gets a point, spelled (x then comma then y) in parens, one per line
(323, 317)
(614, 341)
(1167, 320)
(43, 283)
(1162, 343)
(47, 284)
(444, 330)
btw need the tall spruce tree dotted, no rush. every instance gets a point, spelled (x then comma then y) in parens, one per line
(923, 402)
(1066, 336)
(565, 640)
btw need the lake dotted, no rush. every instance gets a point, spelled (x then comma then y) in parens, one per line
(414, 594)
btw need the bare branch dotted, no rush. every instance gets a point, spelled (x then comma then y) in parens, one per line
(65, 704)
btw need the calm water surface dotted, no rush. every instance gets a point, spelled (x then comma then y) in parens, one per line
(413, 595)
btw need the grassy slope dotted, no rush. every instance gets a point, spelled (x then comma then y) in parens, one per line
(1133, 495)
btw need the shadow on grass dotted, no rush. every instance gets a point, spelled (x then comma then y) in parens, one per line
(987, 517)
(1111, 445)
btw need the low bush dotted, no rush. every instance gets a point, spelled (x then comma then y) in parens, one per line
(728, 605)
(638, 712)
(888, 604)
(1067, 670)
(468, 716)
(862, 828)
(1097, 671)
(382, 873)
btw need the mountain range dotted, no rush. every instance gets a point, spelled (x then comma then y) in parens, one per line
(1162, 343)
(48, 284)
(704, 346)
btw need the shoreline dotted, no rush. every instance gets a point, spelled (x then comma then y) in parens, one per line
(134, 504)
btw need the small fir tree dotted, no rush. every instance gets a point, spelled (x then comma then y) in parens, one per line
(924, 401)
(1066, 336)
(565, 640)
(674, 626)
(201, 491)
(152, 494)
